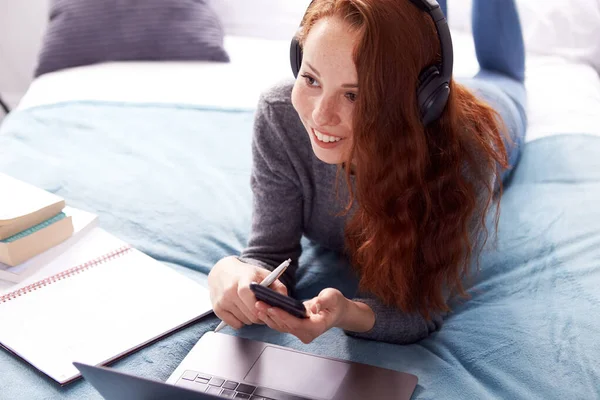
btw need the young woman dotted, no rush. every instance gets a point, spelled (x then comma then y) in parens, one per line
(410, 210)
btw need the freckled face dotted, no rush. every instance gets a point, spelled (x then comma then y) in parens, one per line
(326, 88)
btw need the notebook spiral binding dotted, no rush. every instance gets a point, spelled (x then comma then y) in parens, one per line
(64, 274)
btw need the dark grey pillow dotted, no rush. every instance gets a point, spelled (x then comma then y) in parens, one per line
(83, 32)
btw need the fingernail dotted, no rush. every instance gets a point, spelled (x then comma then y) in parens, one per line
(270, 311)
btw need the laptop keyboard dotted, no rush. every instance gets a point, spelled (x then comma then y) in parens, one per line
(231, 389)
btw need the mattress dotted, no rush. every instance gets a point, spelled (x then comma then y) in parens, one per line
(564, 96)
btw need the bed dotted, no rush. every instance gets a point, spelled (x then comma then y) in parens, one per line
(160, 150)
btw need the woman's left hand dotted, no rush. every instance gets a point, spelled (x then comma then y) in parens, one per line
(324, 312)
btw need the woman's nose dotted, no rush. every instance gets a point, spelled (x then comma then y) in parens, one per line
(325, 113)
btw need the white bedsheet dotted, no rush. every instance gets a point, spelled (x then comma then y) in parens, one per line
(255, 63)
(564, 97)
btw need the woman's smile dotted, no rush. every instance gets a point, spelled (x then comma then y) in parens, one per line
(325, 140)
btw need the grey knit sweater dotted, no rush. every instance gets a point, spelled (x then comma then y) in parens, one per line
(295, 195)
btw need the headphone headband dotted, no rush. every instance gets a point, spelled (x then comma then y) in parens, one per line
(434, 10)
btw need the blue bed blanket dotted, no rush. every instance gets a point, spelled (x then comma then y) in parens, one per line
(174, 182)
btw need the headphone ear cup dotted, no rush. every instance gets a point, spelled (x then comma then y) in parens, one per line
(436, 104)
(432, 94)
(295, 56)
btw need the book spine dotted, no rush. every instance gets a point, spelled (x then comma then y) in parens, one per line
(64, 274)
(35, 228)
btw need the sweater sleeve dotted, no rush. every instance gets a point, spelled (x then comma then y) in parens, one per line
(277, 198)
(395, 326)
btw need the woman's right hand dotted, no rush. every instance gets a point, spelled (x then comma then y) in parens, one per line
(232, 300)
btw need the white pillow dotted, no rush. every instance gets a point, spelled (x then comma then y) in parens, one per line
(268, 19)
(567, 28)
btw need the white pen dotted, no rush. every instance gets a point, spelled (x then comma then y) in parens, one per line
(272, 277)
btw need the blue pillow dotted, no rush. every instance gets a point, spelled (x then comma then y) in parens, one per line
(84, 32)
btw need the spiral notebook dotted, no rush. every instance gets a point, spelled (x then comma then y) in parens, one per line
(98, 301)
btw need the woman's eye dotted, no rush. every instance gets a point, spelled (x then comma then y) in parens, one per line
(310, 80)
(351, 97)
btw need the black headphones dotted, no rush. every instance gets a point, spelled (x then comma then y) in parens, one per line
(434, 81)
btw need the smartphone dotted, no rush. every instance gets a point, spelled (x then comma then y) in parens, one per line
(275, 299)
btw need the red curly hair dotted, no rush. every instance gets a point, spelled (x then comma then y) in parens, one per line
(412, 236)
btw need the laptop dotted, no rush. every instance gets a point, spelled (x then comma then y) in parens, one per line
(224, 366)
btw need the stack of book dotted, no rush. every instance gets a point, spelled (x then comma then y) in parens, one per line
(33, 223)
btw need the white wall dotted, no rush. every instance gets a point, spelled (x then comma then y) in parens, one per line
(22, 25)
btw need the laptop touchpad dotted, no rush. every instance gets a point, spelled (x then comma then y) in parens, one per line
(304, 375)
